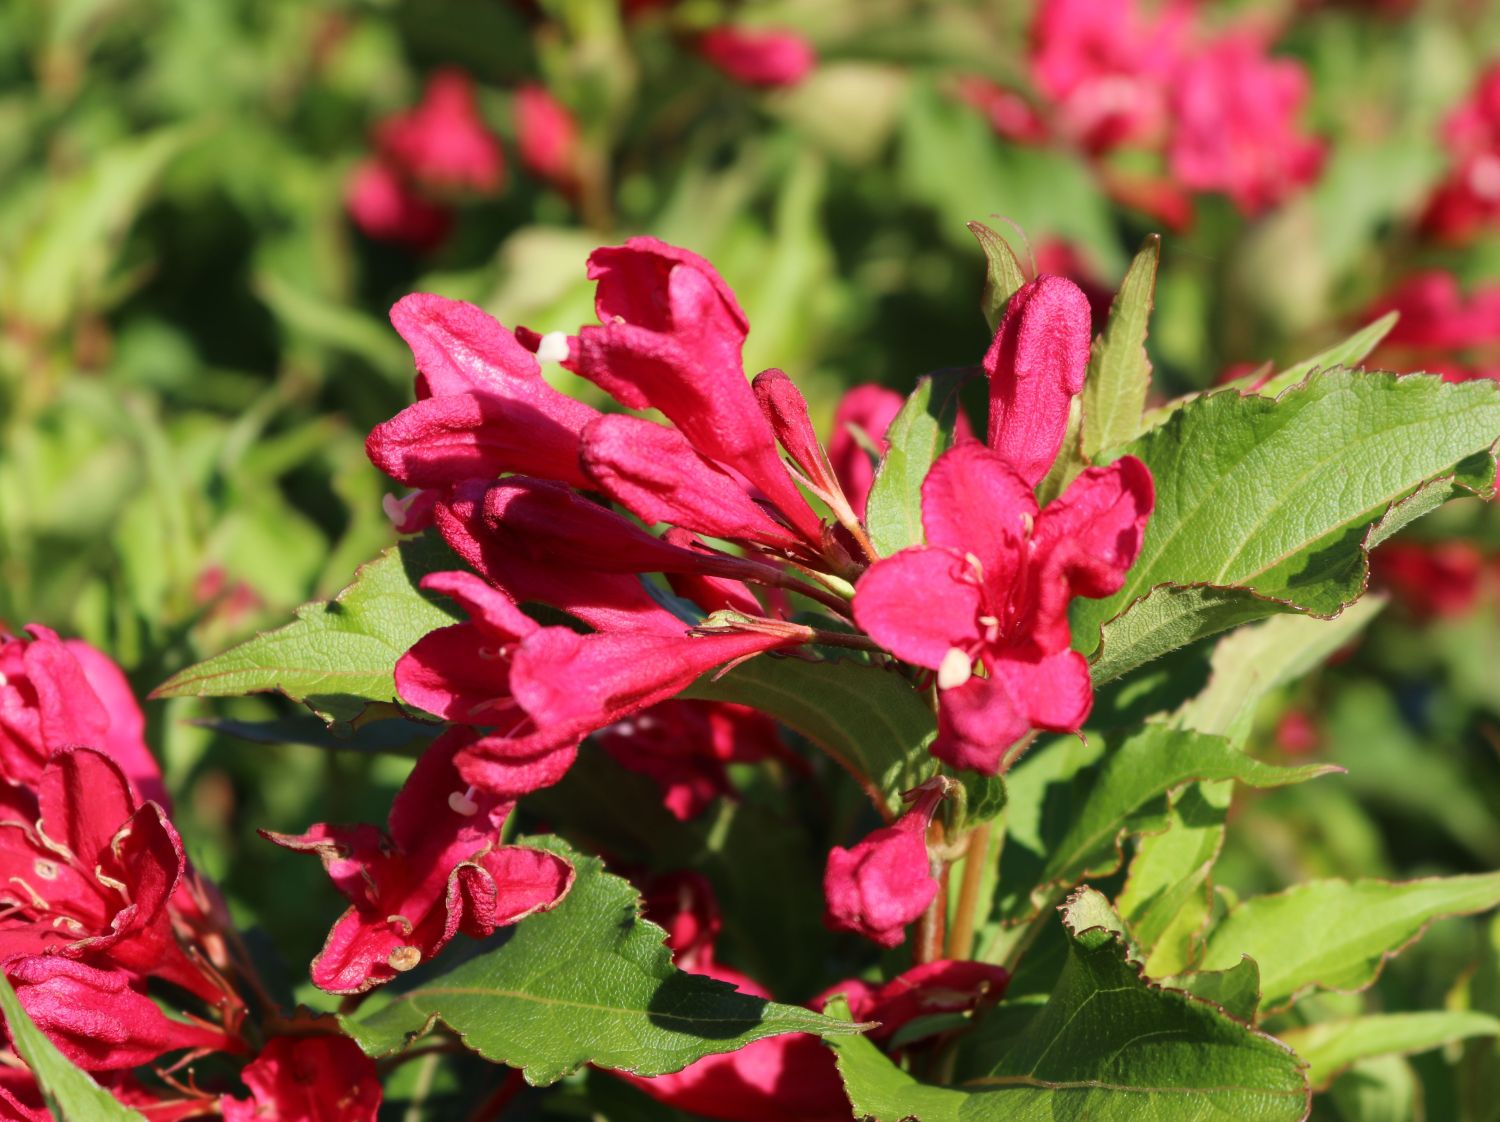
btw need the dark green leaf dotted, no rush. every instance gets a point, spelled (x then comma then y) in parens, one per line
(588, 982)
(1236, 990)
(871, 721)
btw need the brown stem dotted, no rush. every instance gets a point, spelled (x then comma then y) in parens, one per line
(961, 937)
(929, 946)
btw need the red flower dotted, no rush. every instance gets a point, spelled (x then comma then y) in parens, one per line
(482, 408)
(1106, 69)
(98, 1020)
(442, 143)
(670, 338)
(89, 874)
(547, 137)
(685, 745)
(307, 1079)
(1008, 113)
(885, 882)
(1469, 199)
(992, 587)
(1432, 581)
(1234, 111)
(1440, 330)
(387, 208)
(869, 410)
(440, 870)
(57, 693)
(756, 57)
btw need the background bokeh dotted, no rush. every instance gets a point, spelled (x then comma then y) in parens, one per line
(194, 279)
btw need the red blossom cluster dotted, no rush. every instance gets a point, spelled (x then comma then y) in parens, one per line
(550, 501)
(1468, 200)
(1217, 109)
(103, 921)
(1441, 329)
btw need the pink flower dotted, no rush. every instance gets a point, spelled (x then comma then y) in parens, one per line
(1036, 365)
(992, 588)
(98, 1020)
(1432, 581)
(387, 208)
(670, 338)
(885, 882)
(758, 57)
(1106, 69)
(57, 693)
(941, 986)
(442, 143)
(307, 1079)
(1009, 114)
(89, 873)
(547, 137)
(1235, 123)
(684, 904)
(483, 406)
(1469, 199)
(440, 870)
(869, 410)
(684, 746)
(1441, 330)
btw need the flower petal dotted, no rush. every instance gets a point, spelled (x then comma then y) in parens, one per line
(919, 604)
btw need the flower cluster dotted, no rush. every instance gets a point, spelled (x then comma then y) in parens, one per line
(1468, 200)
(100, 905)
(1217, 110)
(536, 490)
(1441, 329)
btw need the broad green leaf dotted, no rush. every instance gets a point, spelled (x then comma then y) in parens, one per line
(1071, 805)
(918, 435)
(1107, 1047)
(1336, 935)
(1236, 990)
(340, 655)
(1003, 274)
(1331, 1046)
(1347, 353)
(70, 1093)
(1119, 374)
(1266, 506)
(871, 721)
(590, 982)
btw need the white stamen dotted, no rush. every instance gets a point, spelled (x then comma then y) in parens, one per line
(395, 509)
(955, 670)
(1027, 522)
(462, 802)
(553, 347)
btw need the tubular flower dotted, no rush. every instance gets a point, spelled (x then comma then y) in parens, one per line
(307, 1079)
(442, 143)
(547, 136)
(441, 869)
(1469, 199)
(758, 57)
(61, 693)
(885, 882)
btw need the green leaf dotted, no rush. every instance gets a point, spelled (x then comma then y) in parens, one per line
(339, 655)
(1003, 274)
(1119, 374)
(1236, 990)
(1347, 353)
(1267, 506)
(918, 435)
(1107, 1047)
(1331, 1046)
(70, 1093)
(1335, 934)
(590, 982)
(1072, 805)
(870, 720)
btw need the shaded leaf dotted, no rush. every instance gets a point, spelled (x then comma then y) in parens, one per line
(1236, 990)
(588, 982)
(871, 721)
(1003, 274)
(339, 655)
